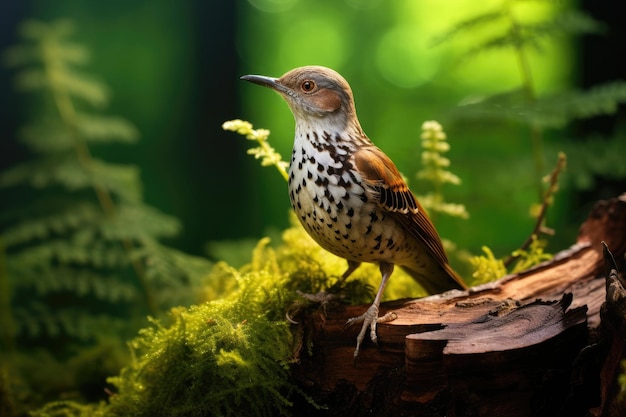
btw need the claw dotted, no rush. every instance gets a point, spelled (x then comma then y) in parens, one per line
(369, 319)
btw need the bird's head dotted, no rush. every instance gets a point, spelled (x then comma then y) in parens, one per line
(314, 93)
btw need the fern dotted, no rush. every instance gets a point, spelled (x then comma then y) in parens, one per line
(506, 30)
(502, 27)
(435, 170)
(594, 158)
(553, 111)
(518, 35)
(82, 250)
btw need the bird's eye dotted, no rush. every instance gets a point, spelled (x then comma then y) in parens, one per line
(307, 86)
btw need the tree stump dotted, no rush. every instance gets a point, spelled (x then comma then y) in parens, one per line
(547, 341)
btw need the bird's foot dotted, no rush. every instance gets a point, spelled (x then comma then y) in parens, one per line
(322, 298)
(369, 319)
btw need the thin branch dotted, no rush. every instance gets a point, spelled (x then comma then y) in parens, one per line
(547, 199)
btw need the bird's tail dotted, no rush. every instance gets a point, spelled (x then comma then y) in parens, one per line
(444, 279)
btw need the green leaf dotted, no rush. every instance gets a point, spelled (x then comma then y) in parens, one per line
(36, 319)
(139, 222)
(65, 170)
(47, 136)
(104, 129)
(122, 180)
(567, 22)
(554, 111)
(469, 25)
(72, 218)
(61, 251)
(36, 30)
(81, 282)
(594, 159)
(79, 86)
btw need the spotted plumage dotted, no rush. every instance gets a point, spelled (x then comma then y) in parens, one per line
(349, 195)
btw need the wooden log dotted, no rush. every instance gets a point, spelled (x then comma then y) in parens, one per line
(613, 342)
(506, 348)
(495, 365)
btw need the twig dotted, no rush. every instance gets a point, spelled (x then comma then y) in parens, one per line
(539, 227)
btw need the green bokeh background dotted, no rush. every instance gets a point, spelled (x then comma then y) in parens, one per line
(173, 68)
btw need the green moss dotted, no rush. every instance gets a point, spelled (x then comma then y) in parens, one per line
(230, 356)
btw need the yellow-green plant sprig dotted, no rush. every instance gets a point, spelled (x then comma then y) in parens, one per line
(266, 153)
(436, 171)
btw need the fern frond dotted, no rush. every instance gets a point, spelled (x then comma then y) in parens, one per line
(567, 22)
(68, 252)
(42, 173)
(553, 111)
(97, 128)
(50, 136)
(78, 216)
(35, 30)
(173, 272)
(435, 170)
(79, 86)
(81, 282)
(67, 171)
(47, 137)
(468, 25)
(557, 110)
(121, 180)
(52, 58)
(37, 320)
(139, 222)
(596, 157)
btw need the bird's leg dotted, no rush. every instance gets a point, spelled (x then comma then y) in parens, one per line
(370, 317)
(323, 297)
(352, 266)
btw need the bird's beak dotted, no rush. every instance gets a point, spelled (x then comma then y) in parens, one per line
(269, 82)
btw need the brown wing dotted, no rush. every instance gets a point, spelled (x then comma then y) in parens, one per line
(382, 176)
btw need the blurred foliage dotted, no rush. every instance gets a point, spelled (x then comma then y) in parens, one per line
(498, 77)
(231, 356)
(81, 251)
(35, 376)
(435, 171)
(385, 49)
(525, 105)
(532, 251)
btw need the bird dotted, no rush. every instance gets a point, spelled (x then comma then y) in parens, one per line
(349, 195)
